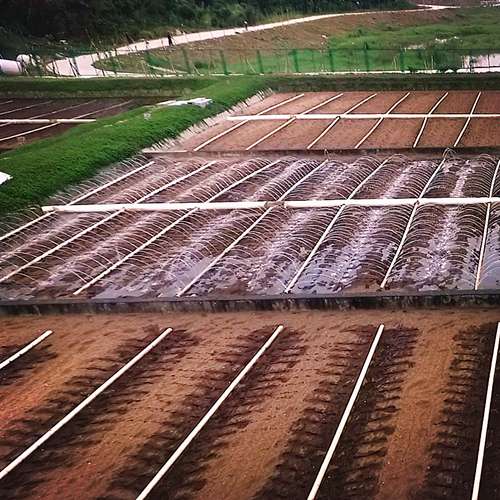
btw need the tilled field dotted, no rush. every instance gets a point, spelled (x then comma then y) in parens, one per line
(327, 121)
(412, 433)
(273, 250)
(13, 135)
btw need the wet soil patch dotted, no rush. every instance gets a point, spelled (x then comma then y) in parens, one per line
(186, 476)
(355, 467)
(86, 428)
(454, 448)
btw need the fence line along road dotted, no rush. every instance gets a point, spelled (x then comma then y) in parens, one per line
(82, 66)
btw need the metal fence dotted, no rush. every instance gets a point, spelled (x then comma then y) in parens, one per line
(181, 61)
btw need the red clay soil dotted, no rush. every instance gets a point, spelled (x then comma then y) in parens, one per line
(381, 103)
(269, 102)
(345, 134)
(482, 132)
(302, 104)
(270, 436)
(54, 109)
(201, 137)
(418, 102)
(394, 134)
(297, 135)
(457, 102)
(244, 136)
(441, 132)
(343, 104)
(489, 102)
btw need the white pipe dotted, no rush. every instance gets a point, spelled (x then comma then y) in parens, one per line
(427, 117)
(468, 120)
(251, 205)
(360, 116)
(80, 198)
(484, 428)
(10, 67)
(25, 349)
(159, 475)
(485, 232)
(57, 247)
(110, 183)
(247, 230)
(55, 124)
(408, 224)
(166, 229)
(327, 129)
(322, 238)
(39, 442)
(379, 122)
(20, 121)
(99, 223)
(222, 134)
(345, 417)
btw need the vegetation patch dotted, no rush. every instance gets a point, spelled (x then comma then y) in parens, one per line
(42, 168)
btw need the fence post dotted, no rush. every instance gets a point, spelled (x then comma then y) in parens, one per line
(224, 64)
(367, 58)
(313, 61)
(114, 63)
(259, 62)
(295, 60)
(402, 64)
(331, 60)
(186, 60)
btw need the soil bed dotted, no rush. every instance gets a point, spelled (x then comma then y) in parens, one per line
(345, 134)
(441, 132)
(270, 436)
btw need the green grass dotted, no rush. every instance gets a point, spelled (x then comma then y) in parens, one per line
(473, 28)
(42, 168)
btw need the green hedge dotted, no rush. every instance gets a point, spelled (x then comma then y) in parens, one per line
(42, 168)
(447, 81)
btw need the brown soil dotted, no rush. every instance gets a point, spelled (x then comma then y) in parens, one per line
(418, 102)
(489, 102)
(345, 134)
(244, 136)
(343, 104)
(392, 134)
(201, 137)
(457, 102)
(303, 104)
(270, 435)
(441, 132)
(482, 132)
(381, 103)
(54, 109)
(297, 135)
